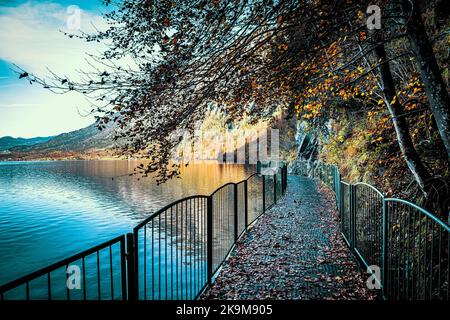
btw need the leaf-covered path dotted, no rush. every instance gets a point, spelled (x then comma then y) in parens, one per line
(294, 251)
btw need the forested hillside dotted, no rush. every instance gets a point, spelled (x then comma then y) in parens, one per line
(10, 142)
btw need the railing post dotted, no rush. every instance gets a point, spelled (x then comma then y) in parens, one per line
(352, 210)
(236, 213)
(384, 250)
(354, 194)
(258, 166)
(285, 178)
(123, 268)
(281, 180)
(339, 191)
(209, 239)
(246, 203)
(131, 281)
(264, 192)
(274, 188)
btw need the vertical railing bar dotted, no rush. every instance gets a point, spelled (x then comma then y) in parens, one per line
(123, 280)
(134, 247)
(448, 265)
(351, 216)
(200, 205)
(196, 248)
(209, 238)
(222, 228)
(384, 251)
(190, 248)
(176, 251)
(263, 193)
(98, 276)
(275, 188)
(398, 255)
(408, 263)
(440, 259)
(419, 232)
(159, 257)
(246, 203)
(182, 217)
(67, 287)
(49, 286)
(428, 221)
(152, 246)
(165, 252)
(145, 262)
(171, 254)
(236, 213)
(413, 238)
(403, 253)
(131, 270)
(185, 252)
(204, 241)
(431, 262)
(111, 271)
(399, 249)
(27, 288)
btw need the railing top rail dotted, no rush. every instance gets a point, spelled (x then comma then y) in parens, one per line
(422, 210)
(346, 183)
(39, 273)
(224, 186)
(370, 186)
(155, 214)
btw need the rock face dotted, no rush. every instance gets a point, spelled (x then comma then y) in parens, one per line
(307, 152)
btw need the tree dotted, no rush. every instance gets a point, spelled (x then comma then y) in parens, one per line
(249, 58)
(435, 87)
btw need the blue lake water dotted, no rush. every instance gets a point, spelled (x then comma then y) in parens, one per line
(53, 209)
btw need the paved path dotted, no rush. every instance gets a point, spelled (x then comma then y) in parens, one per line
(294, 251)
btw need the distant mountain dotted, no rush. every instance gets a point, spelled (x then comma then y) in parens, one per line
(10, 142)
(78, 140)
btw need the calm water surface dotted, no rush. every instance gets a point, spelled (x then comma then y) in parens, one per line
(51, 210)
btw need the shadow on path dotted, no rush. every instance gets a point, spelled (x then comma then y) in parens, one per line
(294, 251)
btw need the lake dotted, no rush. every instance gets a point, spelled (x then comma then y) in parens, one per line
(50, 210)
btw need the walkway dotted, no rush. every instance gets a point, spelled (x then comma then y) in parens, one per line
(294, 251)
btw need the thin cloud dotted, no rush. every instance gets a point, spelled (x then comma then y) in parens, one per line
(32, 38)
(17, 105)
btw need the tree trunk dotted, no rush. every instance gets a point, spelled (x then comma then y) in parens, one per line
(435, 87)
(421, 174)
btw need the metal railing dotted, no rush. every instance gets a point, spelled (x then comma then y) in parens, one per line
(173, 254)
(408, 244)
(101, 274)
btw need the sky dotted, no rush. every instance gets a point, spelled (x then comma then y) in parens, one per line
(31, 37)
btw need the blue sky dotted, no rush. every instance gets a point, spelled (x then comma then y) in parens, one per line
(30, 37)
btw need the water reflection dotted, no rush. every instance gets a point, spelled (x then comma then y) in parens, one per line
(50, 210)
